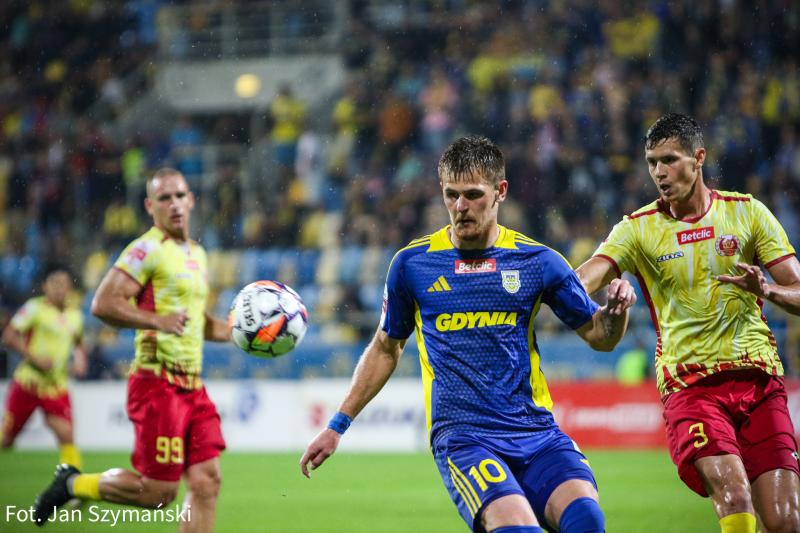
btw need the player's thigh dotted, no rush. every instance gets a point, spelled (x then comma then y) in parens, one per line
(204, 438)
(697, 426)
(20, 405)
(474, 477)
(58, 417)
(766, 437)
(557, 474)
(160, 419)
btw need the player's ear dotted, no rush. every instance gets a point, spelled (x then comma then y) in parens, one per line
(148, 205)
(191, 200)
(502, 190)
(700, 155)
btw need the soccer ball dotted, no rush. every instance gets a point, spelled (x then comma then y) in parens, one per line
(267, 319)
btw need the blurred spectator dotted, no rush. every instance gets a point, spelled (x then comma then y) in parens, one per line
(286, 113)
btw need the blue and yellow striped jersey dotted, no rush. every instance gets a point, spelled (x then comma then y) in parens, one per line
(473, 312)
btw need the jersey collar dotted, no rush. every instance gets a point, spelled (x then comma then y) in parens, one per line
(441, 241)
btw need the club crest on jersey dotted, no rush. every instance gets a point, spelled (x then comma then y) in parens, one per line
(727, 245)
(690, 236)
(511, 281)
(475, 266)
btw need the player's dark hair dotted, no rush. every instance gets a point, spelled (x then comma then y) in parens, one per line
(473, 155)
(675, 126)
(53, 267)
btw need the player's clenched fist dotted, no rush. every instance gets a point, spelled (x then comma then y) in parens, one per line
(621, 296)
(319, 450)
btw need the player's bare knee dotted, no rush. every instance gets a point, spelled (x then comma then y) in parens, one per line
(733, 498)
(205, 483)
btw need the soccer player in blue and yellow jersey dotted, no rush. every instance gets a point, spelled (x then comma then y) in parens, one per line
(45, 331)
(159, 286)
(696, 253)
(471, 291)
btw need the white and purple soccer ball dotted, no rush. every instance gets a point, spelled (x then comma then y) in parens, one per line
(267, 319)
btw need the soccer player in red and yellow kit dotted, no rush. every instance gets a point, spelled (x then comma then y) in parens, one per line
(45, 331)
(696, 253)
(159, 286)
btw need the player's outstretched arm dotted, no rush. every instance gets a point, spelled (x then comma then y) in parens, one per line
(112, 304)
(785, 292)
(216, 330)
(377, 363)
(608, 324)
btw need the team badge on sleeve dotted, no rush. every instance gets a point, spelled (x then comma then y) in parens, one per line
(727, 245)
(511, 281)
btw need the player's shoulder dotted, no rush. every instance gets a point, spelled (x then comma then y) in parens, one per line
(735, 204)
(143, 249)
(151, 239)
(513, 239)
(420, 245)
(197, 249)
(732, 196)
(645, 212)
(531, 247)
(74, 315)
(32, 305)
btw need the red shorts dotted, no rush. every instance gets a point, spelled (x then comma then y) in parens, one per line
(21, 403)
(174, 428)
(739, 412)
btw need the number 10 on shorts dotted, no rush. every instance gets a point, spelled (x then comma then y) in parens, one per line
(169, 450)
(488, 470)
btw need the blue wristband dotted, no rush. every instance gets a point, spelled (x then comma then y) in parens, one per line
(340, 422)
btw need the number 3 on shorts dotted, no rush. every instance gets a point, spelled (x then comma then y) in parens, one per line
(696, 430)
(170, 450)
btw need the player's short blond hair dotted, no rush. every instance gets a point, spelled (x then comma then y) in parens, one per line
(470, 156)
(162, 172)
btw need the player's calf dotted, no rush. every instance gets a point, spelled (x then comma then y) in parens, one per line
(123, 486)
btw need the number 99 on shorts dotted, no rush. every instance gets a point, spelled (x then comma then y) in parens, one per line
(169, 450)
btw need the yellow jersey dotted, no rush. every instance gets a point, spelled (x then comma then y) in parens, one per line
(51, 334)
(173, 278)
(703, 326)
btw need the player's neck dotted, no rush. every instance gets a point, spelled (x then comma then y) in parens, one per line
(60, 307)
(484, 241)
(180, 237)
(694, 206)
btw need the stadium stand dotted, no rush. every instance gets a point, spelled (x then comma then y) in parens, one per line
(316, 175)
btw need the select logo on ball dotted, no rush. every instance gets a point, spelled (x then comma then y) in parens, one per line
(267, 319)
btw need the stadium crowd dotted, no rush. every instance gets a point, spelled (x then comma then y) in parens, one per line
(565, 88)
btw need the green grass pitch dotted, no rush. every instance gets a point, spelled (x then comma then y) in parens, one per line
(370, 492)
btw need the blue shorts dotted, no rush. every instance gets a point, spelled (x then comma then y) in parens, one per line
(479, 469)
